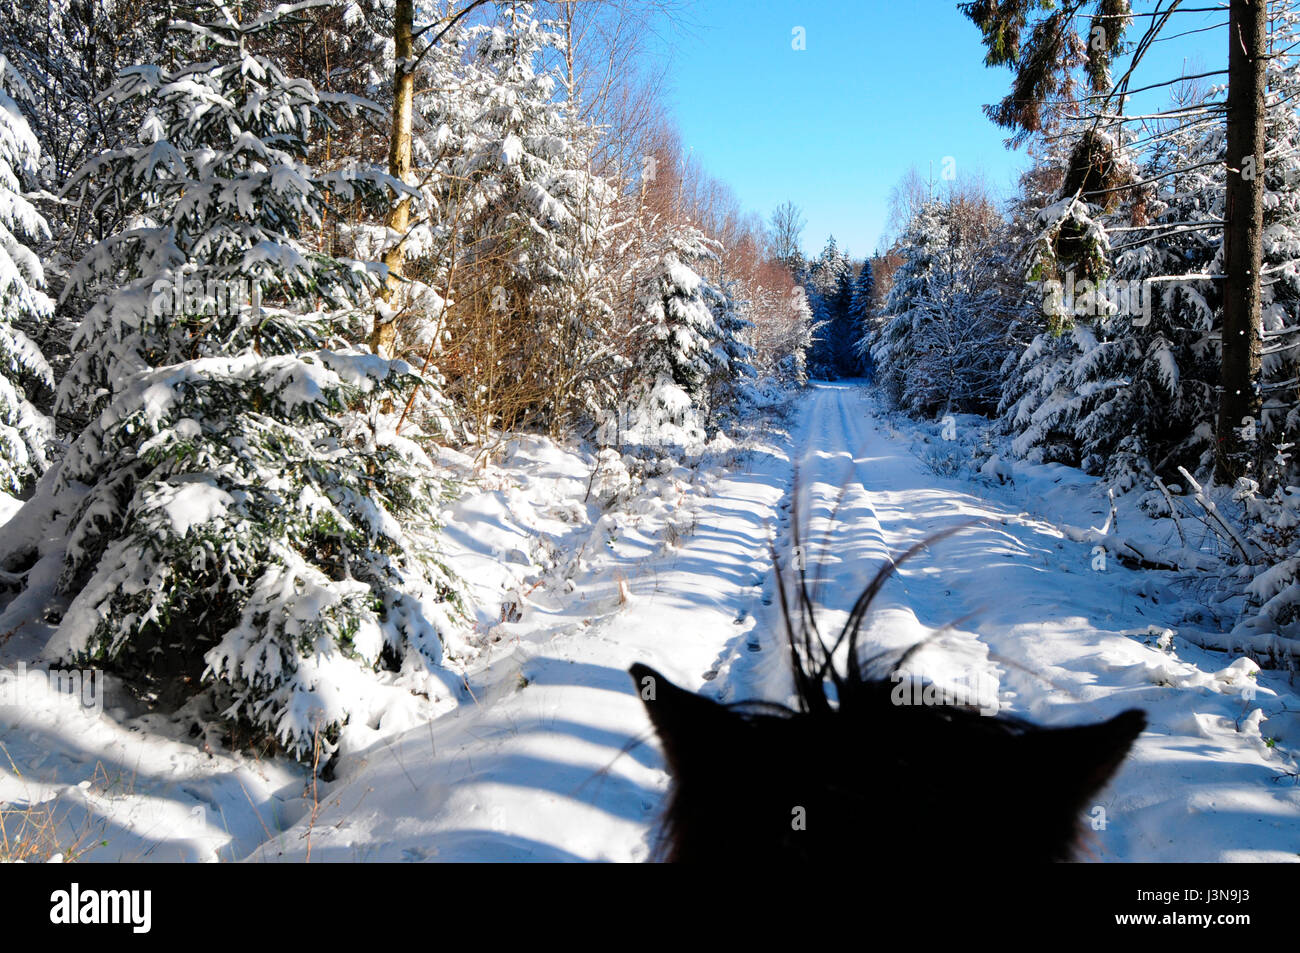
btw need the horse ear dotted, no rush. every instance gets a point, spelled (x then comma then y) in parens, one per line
(1081, 760)
(689, 726)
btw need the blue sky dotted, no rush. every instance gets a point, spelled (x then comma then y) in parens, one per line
(881, 85)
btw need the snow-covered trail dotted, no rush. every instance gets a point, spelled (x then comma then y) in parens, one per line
(549, 756)
(1063, 637)
(542, 768)
(544, 764)
(859, 499)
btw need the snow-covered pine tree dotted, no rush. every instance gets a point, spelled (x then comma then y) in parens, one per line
(860, 305)
(25, 433)
(794, 367)
(237, 509)
(1122, 379)
(841, 336)
(1280, 280)
(940, 337)
(893, 341)
(680, 304)
(669, 399)
(733, 372)
(829, 293)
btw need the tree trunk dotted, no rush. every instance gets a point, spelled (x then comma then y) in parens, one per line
(1239, 400)
(384, 333)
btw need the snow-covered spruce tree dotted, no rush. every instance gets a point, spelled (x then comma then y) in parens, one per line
(237, 509)
(939, 340)
(669, 398)
(859, 313)
(1071, 395)
(69, 51)
(680, 304)
(1280, 280)
(1148, 386)
(830, 291)
(1033, 331)
(793, 368)
(841, 328)
(731, 381)
(887, 342)
(25, 433)
(1121, 380)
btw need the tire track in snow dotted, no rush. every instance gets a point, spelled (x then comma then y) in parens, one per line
(1067, 643)
(545, 773)
(845, 541)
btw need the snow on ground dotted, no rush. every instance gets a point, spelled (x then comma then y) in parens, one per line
(1075, 639)
(555, 547)
(577, 575)
(543, 765)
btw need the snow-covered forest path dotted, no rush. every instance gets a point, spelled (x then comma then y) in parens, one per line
(1063, 636)
(541, 767)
